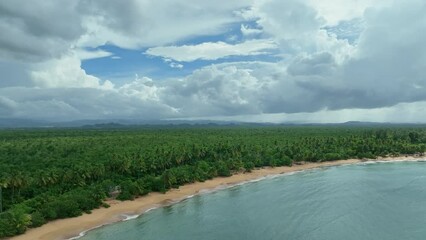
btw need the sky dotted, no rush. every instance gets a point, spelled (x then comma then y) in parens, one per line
(255, 60)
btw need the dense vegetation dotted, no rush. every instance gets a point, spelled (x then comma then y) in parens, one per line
(52, 174)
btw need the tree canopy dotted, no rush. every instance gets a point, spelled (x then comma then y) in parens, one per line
(47, 174)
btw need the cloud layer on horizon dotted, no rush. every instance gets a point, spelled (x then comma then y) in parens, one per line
(300, 61)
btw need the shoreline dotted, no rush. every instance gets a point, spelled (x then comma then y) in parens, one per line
(73, 228)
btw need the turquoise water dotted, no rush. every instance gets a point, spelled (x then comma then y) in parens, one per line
(371, 201)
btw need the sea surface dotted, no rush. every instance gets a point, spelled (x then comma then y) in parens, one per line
(365, 201)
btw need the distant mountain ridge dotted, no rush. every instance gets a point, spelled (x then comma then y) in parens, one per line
(21, 123)
(126, 123)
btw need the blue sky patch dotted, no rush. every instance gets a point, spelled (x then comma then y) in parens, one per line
(125, 64)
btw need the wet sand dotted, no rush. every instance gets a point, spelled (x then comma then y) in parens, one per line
(72, 227)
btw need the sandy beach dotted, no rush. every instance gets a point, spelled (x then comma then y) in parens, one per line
(72, 227)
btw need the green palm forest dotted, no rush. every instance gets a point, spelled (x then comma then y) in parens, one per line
(48, 174)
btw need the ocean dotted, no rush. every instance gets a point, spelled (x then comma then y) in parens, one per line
(364, 201)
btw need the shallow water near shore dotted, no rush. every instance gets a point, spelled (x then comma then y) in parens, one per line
(362, 201)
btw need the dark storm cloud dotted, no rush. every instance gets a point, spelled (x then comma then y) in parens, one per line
(37, 30)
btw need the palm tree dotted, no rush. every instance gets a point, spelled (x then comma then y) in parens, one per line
(4, 183)
(68, 176)
(54, 176)
(43, 178)
(17, 181)
(98, 171)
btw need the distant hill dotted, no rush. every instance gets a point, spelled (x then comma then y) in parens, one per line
(21, 123)
(110, 123)
(126, 123)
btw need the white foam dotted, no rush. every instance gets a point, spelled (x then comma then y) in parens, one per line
(82, 234)
(126, 218)
(129, 217)
(391, 161)
(190, 196)
(149, 209)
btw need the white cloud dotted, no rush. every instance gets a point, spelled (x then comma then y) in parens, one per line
(142, 88)
(334, 11)
(319, 77)
(247, 31)
(291, 19)
(79, 103)
(213, 50)
(65, 72)
(135, 24)
(83, 54)
(176, 65)
(297, 27)
(248, 14)
(214, 91)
